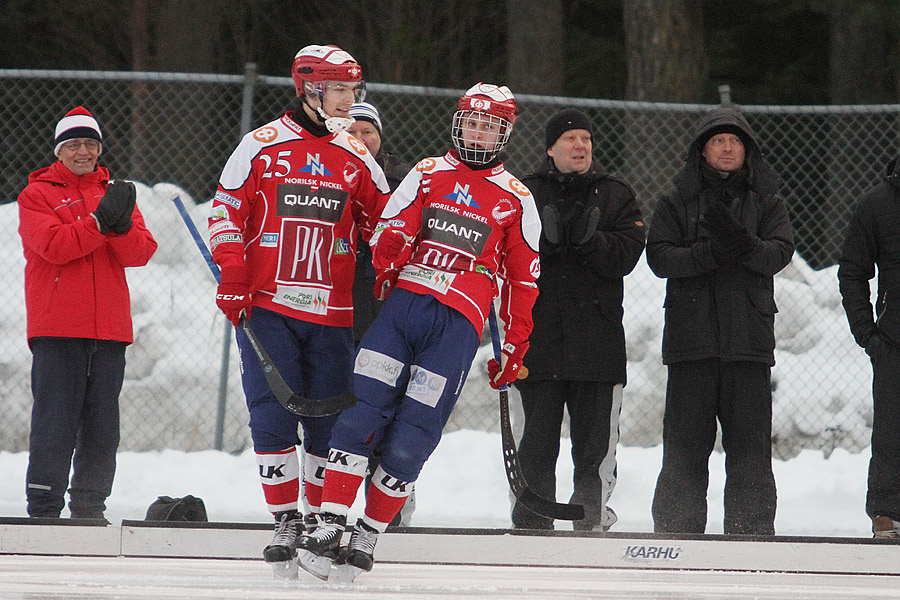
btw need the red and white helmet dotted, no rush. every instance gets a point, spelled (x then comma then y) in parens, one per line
(484, 107)
(317, 66)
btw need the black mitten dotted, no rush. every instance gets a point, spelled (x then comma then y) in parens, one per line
(719, 221)
(550, 226)
(118, 201)
(584, 227)
(733, 249)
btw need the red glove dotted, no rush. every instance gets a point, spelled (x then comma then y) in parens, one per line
(233, 294)
(506, 372)
(384, 283)
(392, 250)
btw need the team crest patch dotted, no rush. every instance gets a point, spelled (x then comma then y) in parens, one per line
(503, 211)
(351, 173)
(424, 386)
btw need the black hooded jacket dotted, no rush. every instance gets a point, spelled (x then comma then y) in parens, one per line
(714, 311)
(873, 238)
(578, 333)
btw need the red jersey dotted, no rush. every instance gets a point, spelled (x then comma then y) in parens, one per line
(290, 207)
(467, 225)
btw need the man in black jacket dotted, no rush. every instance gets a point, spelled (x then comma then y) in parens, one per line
(592, 237)
(719, 237)
(873, 239)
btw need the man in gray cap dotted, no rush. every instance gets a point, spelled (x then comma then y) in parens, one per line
(718, 238)
(592, 237)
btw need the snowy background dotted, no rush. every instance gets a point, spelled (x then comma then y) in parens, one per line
(821, 425)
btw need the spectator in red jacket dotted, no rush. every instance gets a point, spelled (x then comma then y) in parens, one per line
(79, 232)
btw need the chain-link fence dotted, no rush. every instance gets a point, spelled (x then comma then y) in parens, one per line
(175, 131)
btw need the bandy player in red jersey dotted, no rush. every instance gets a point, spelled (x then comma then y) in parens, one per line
(291, 202)
(453, 222)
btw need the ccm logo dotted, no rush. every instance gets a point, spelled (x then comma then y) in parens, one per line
(229, 297)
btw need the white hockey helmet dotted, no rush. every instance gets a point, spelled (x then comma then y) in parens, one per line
(483, 106)
(317, 67)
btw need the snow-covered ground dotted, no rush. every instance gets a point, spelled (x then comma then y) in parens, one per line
(464, 485)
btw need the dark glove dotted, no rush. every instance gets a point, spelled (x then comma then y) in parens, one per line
(584, 227)
(733, 249)
(873, 346)
(123, 225)
(720, 221)
(233, 294)
(116, 204)
(506, 372)
(551, 228)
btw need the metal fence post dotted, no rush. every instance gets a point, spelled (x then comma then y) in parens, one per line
(246, 116)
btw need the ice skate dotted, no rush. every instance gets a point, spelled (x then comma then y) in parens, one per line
(317, 551)
(283, 549)
(358, 556)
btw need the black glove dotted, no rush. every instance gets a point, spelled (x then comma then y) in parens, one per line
(733, 249)
(721, 222)
(123, 225)
(551, 228)
(116, 204)
(873, 346)
(584, 227)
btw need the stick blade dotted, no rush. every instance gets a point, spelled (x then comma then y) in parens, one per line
(307, 407)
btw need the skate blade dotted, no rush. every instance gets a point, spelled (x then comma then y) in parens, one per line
(285, 570)
(320, 566)
(344, 574)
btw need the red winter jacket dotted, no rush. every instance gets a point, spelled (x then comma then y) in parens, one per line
(74, 275)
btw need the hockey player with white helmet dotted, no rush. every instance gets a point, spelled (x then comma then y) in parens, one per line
(292, 200)
(454, 222)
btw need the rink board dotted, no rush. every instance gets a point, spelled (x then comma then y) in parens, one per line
(781, 554)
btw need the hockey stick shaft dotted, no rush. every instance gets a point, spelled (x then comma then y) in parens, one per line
(283, 393)
(517, 483)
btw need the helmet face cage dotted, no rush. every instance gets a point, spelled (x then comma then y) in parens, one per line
(469, 124)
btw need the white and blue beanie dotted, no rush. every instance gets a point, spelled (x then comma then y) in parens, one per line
(366, 112)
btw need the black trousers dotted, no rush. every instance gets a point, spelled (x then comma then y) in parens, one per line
(883, 495)
(739, 395)
(75, 383)
(594, 409)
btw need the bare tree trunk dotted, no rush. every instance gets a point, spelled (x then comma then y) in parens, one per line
(535, 54)
(859, 71)
(665, 50)
(140, 51)
(666, 62)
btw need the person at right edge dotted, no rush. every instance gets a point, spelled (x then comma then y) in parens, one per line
(719, 237)
(593, 235)
(873, 240)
